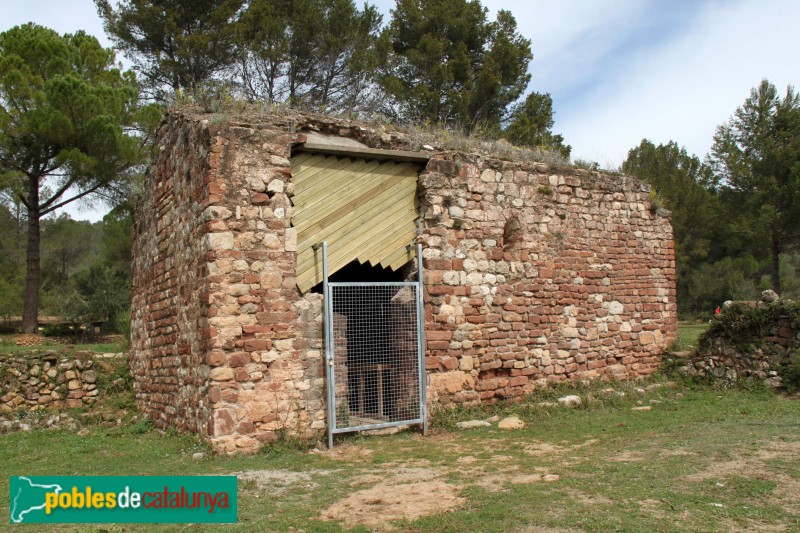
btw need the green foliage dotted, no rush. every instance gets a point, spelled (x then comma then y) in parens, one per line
(683, 182)
(100, 294)
(742, 325)
(447, 64)
(531, 123)
(10, 300)
(587, 164)
(114, 377)
(688, 336)
(174, 45)
(117, 240)
(736, 218)
(123, 327)
(756, 156)
(316, 53)
(66, 113)
(790, 372)
(64, 106)
(705, 285)
(66, 245)
(60, 330)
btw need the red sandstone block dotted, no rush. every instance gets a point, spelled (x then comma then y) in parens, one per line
(257, 345)
(215, 358)
(436, 290)
(439, 335)
(438, 345)
(238, 359)
(215, 394)
(450, 363)
(245, 428)
(230, 395)
(266, 436)
(490, 365)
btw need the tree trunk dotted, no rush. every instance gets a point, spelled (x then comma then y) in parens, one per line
(776, 263)
(30, 311)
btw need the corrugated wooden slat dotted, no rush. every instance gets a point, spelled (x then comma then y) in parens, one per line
(356, 174)
(364, 209)
(374, 252)
(308, 177)
(343, 250)
(345, 199)
(329, 226)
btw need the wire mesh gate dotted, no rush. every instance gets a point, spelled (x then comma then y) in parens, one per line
(374, 346)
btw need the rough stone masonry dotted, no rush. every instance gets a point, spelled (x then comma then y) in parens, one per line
(533, 274)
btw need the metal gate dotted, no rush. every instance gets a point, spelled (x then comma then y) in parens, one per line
(374, 348)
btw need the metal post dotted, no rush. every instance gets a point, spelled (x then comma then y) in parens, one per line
(328, 320)
(423, 375)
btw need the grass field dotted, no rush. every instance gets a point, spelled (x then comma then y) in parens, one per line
(688, 335)
(9, 346)
(700, 459)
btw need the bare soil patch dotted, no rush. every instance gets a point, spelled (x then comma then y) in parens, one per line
(589, 500)
(377, 506)
(345, 452)
(755, 465)
(537, 448)
(627, 457)
(278, 481)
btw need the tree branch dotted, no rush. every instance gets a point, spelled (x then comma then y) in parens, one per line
(69, 183)
(24, 201)
(52, 208)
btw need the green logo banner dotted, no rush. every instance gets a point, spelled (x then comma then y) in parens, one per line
(122, 499)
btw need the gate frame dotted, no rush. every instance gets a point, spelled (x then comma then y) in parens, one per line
(330, 384)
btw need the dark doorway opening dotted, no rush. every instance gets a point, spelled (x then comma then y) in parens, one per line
(355, 272)
(379, 343)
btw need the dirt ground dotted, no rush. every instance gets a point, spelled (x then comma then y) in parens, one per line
(408, 490)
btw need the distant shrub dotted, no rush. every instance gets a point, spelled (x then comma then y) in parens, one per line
(790, 372)
(743, 325)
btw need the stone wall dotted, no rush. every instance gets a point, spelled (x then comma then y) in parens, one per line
(37, 381)
(533, 274)
(759, 356)
(537, 275)
(170, 302)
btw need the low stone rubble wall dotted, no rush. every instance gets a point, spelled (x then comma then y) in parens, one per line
(33, 382)
(747, 354)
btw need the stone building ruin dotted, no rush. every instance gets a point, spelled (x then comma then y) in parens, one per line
(532, 274)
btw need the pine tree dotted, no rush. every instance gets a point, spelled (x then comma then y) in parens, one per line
(174, 44)
(756, 155)
(447, 64)
(65, 110)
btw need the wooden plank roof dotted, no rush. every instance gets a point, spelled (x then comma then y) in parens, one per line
(365, 208)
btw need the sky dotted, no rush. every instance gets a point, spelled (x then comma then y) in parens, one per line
(618, 71)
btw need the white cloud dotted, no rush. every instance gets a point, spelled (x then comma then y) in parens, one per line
(63, 16)
(685, 89)
(570, 39)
